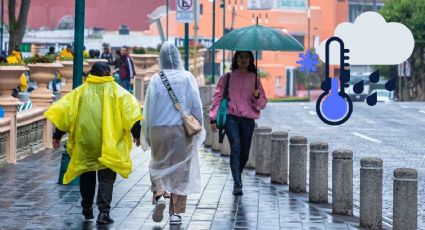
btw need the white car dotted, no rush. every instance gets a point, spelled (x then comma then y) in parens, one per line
(383, 95)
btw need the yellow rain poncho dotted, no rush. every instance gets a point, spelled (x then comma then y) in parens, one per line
(15, 58)
(98, 117)
(66, 54)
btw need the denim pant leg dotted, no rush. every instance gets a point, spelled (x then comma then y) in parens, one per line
(246, 129)
(125, 83)
(232, 132)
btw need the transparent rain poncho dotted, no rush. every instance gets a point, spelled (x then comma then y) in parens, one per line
(174, 165)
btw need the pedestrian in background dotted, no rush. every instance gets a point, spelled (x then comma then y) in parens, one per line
(245, 104)
(174, 165)
(126, 69)
(107, 56)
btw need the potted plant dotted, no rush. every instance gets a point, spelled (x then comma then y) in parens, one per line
(67, 71)
(9, 79)
(42, 69)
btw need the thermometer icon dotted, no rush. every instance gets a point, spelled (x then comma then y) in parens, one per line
(334, 106)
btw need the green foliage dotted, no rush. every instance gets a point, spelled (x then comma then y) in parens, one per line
(40, 59)
(66, 59)
(387, 71)
(139, 50)
(411, 14)
(314, 78)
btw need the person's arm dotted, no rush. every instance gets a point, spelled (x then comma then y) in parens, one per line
(217, 96)
(130, 65)
(57, 136)
(135, 130)
(261, 102)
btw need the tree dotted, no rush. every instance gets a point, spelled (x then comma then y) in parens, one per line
(411, 14)
(17, 24)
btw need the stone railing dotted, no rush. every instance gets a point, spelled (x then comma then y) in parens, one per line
(27, 132)
(31, 125)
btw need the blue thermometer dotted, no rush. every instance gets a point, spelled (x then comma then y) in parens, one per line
(334, 106)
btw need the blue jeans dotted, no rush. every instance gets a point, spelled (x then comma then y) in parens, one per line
(239, 131)
(125, 83)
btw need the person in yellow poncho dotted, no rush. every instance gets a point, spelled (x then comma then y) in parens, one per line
(99, 117)
(67, 52)
(15, 57)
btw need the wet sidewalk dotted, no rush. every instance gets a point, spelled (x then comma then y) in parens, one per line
(30, 198)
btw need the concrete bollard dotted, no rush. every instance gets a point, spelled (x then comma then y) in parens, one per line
(252, 151)
(207, 126)
(264, 159)
(215, 145)
(371, 193)
(279, 169)
(405, 201)
(342, 182)
(318, 177)
(206, 93)
(225, 147)
(298, 164)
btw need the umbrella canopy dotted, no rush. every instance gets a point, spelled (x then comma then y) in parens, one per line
(257, 38)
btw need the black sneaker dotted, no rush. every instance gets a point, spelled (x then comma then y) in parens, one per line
(104, 218)
(237, 190)
(88, 213)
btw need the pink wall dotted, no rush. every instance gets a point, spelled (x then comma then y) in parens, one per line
(108, 14)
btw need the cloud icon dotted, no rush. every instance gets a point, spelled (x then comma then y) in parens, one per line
(371, 41)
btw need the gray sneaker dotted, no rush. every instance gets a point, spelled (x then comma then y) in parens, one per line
(158, 213)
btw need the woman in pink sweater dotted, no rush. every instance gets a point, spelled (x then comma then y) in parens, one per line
(245, 104)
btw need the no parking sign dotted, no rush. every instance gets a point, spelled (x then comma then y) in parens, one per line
(185, 11)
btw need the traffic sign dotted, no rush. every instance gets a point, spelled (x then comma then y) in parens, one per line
(185, 11)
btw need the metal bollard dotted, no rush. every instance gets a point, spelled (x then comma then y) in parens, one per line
(371, 193)
(342, 182)
(251, 159)
(405, 201)
(263, 160)
(279, 169)
(298, 164)
(318, 178)
(225, 147)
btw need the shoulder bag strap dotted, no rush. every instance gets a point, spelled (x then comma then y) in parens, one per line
(170, 90)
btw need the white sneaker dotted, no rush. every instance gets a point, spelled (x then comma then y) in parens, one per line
(158, 213)
(175, 219)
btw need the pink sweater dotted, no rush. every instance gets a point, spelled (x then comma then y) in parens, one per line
(242, 102)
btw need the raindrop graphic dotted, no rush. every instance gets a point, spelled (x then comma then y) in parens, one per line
(374, 77)
(358, 87)
(372, 99)
(390, 85)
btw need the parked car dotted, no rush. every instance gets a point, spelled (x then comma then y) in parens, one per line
(383, 95)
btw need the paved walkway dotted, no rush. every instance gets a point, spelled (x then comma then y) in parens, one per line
(30, 198)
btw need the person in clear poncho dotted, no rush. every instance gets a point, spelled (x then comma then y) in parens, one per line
(174, 165)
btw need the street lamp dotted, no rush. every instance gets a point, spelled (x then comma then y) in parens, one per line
(2, 26)
(213, 42)
(308, 45)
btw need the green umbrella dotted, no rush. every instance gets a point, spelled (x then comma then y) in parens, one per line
(257, 38)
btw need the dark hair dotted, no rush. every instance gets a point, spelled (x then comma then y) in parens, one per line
(251, 68)
(100, 69)
(125, 47)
